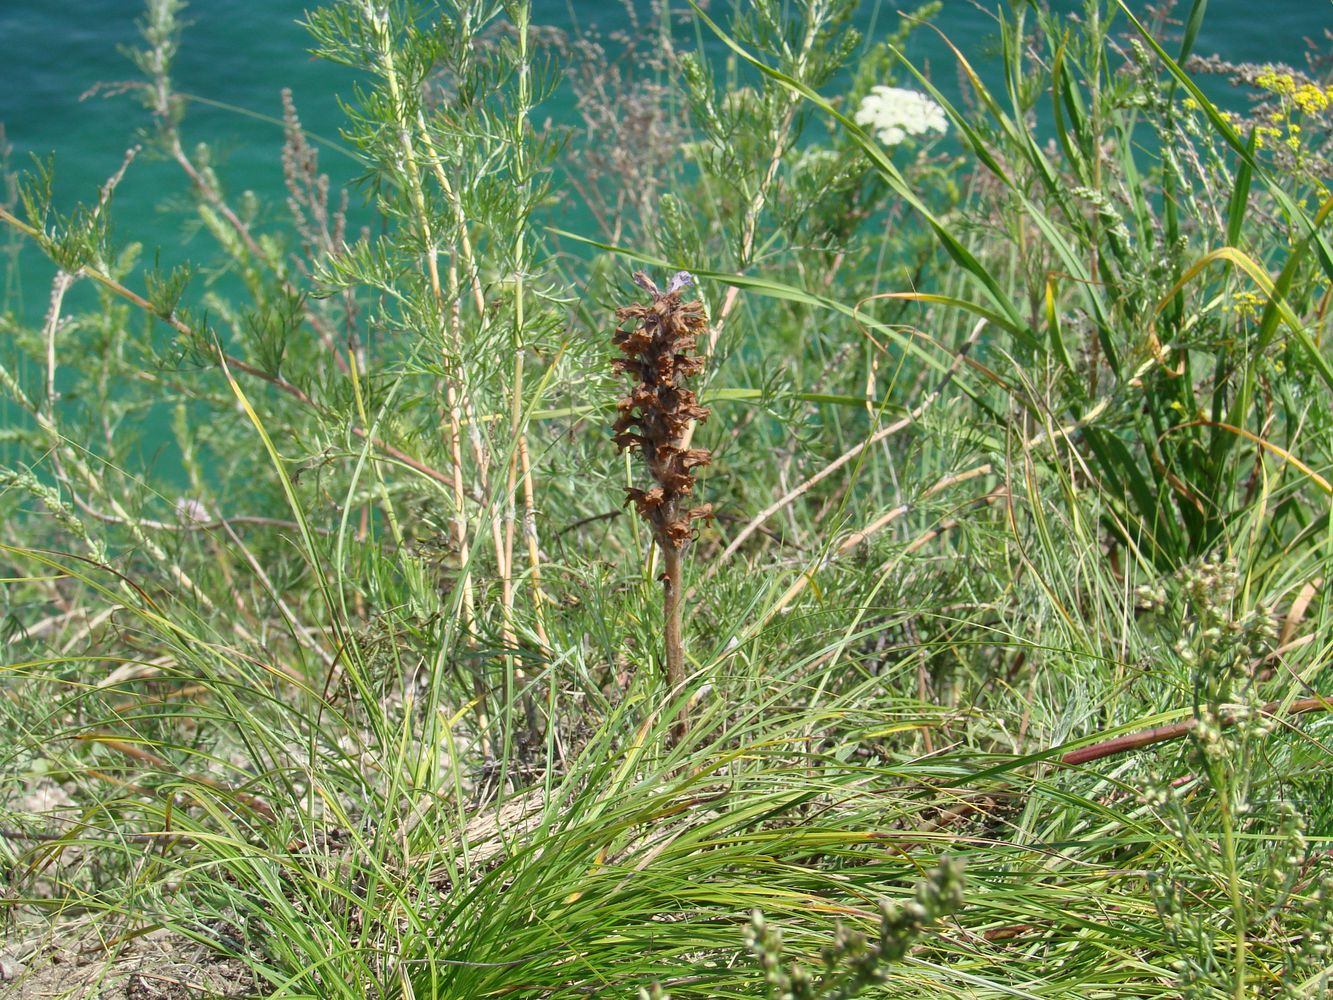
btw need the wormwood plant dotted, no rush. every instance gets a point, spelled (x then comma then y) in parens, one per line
(656, 347)
(1267, 931)
(851, 962)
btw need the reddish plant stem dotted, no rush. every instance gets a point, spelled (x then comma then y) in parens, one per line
(673, 578)
(1175, 730)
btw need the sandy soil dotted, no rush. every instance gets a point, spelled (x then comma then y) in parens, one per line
(155, 966)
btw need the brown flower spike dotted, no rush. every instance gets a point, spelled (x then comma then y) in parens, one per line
(655, 418)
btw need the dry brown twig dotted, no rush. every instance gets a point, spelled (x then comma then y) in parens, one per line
(1175, 730)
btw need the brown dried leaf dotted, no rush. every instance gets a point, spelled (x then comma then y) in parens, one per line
(626, 440)
(645, 501)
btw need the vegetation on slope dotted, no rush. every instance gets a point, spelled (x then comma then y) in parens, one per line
(1020, 485)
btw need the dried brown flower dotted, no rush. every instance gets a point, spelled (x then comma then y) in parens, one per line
(656, 414)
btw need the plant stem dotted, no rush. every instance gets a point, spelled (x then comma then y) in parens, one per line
(1175, 730)
(522, 21)
(673, 578)
(1233, 886)
(453, 378)
(455, 381)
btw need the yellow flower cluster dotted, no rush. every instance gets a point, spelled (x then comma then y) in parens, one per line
(1190, 104)
(1297, 96)
(1264, 133)
(1309, 97)
(1246, 305)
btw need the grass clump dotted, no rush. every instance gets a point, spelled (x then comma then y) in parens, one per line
(1019, 466)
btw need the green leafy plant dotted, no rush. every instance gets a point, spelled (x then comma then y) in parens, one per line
(850, 962)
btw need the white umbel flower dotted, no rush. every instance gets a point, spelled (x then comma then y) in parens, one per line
(894, 114)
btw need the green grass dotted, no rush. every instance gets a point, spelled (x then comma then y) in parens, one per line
(1027, 432)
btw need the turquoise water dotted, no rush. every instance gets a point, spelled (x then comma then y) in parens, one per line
(241, 53)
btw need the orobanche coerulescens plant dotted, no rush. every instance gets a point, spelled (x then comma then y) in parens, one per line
(657, 418)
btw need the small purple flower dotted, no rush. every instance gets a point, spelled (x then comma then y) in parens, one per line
(681, 279)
